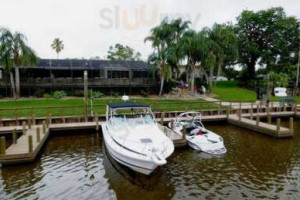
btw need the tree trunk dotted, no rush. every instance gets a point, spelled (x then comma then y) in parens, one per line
(192, 79)
(17, 76)
(162, 80)
(251, 68)
(12, 82)
(211, 74)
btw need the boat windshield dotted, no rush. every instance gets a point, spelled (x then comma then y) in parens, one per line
(132, 117)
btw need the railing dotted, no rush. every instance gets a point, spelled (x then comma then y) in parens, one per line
(101, 82)
(217, 107)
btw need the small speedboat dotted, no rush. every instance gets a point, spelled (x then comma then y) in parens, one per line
(198, 137)
(133, 138)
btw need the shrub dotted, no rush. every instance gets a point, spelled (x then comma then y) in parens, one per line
(96, 94)
(78, 93)
(47, 96)
(39, 93)
(115, 94)
(144, 93)
(58, 94)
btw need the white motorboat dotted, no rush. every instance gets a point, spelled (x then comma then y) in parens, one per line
(132, 137)
(197, 135)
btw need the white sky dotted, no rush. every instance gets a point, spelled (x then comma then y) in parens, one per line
(89, 27)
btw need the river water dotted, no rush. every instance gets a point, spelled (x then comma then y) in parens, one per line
(76, 166)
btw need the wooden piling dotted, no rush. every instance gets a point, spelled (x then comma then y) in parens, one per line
(240, 114)
(219, 108)
(85, 84)
(63, 119)
(183, 131)
(14, 135)
(29, 122)
(50, 119)
(251, 113)
(278, 125)
(284, 107)
(33, 119)
(292, 125)
(47, 123)
(162, 118)
(97, 122)
(257, 108)
(172, 124)
(269, 119)
(24, 127)
(227, 112)
(38, 134)
(44, 127)
(30, 146)
(257, 120)
(2, 145)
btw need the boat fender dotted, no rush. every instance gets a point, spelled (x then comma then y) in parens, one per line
(158, 159)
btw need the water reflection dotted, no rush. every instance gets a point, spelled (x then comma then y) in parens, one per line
(77, 166)
(132, 185)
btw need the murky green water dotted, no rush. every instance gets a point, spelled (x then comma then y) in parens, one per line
(77, 167)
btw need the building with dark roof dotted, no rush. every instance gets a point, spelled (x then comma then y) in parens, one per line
(67, 74)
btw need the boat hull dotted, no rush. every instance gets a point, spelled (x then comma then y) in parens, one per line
(139, 163)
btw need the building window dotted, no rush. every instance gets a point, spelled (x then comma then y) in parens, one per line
(117, 74)
(140, 74)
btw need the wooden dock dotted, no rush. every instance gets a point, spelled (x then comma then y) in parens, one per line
(261, 127)
(178, 140)
(26, 147)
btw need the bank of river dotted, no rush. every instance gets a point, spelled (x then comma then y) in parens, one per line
(76, 166)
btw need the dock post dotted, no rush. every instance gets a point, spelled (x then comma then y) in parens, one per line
(219, 108)
(63, 119)
(257, 108)
(29, 122)
(269, 119)
(227, 112)
(251, 113)
(33, 119)
(44, 127)
(30, 147)
(47, 122)
(292, 125)
(50, 119)
(268, 110)
(24, 128)
(278, 125)
(162, 118)
(3, 146)
(257, 120)
(38, 134)
(183, 131)
(14, 135)
(97, 122)
(85, 84)
(240, 114)
(240, 106)
(284, 107)
(295, 108)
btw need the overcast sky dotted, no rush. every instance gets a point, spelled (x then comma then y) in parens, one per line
(89, 27)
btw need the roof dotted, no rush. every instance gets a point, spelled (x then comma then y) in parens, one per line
(80, 64)
(127, 104)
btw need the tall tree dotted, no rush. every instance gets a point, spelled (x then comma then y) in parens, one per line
(160, 38)
(267, 37)
(14, 53)
(195, 46)
(121, 52)
(57, 45)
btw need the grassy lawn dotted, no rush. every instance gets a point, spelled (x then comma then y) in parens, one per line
(230, 91)
(73, 107)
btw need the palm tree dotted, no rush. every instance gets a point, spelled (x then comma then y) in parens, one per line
(57, 45)
(160, 40)
(195, 46)
(14, 53)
